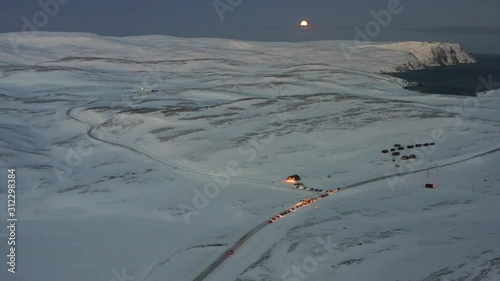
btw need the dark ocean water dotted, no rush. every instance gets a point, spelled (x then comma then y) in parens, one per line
(456, 80)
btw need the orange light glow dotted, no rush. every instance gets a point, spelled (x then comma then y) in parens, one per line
(304, 23)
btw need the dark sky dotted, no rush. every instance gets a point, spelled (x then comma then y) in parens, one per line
(473, 23)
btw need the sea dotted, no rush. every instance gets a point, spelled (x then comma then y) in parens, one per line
(463, 79)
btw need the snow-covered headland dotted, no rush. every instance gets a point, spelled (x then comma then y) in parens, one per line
(428, 54)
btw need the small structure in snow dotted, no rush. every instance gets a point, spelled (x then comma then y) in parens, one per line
(294, 178)
(431, 185)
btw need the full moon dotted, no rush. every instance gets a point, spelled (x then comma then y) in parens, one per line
(304, 23)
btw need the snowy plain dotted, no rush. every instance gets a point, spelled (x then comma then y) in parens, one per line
(188, 168)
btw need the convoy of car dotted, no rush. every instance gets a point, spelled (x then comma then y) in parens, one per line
(301, 186)
(303, 203)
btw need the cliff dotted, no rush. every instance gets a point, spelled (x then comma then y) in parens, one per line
(421, 55)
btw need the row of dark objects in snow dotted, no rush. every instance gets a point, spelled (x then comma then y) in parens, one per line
(300, 185)
(408, 157)
(404, 157)
(411, 146)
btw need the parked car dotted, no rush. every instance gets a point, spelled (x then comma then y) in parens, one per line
(431, 185)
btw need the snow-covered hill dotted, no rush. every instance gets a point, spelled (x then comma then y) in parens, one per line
(156, 185)
(427, 54)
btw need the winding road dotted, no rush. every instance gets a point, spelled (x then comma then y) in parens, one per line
(248, 235)
(215, 264)
(92, 135)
